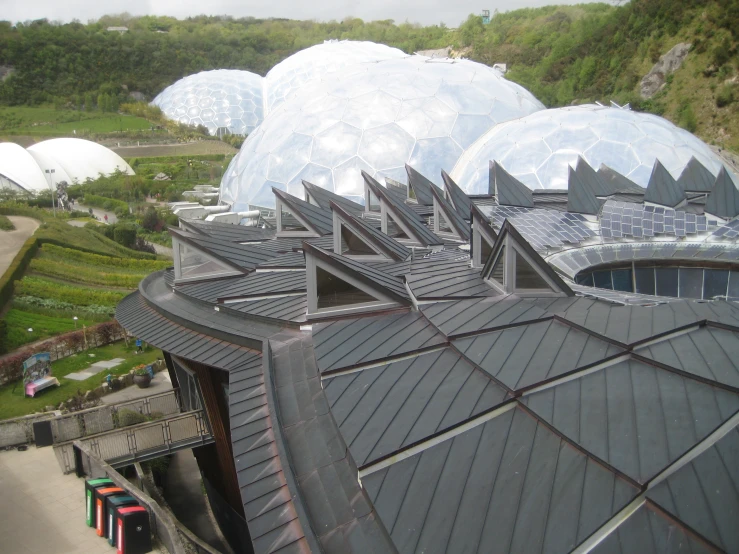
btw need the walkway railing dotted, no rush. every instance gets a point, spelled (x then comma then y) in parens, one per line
(114, 416)
(177, 538)
(141, 442)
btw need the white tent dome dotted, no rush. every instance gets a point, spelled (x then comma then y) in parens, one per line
(218, 99)
(313, 63)
(19, 170)
(537, 149)
(374, 117)
(76, 160)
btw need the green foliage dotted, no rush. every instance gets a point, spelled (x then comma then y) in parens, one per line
(84, 274)
(57, 308)
(18, 323)
(125, 235)
(6, 224)
(16, 269)
(130, 417)
(80, 296)
(725, 96)
(103, 263)
(686, 117)
(103, 203)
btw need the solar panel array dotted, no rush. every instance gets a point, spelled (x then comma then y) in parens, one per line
(623, 219)
(728, 231)
(543, 229)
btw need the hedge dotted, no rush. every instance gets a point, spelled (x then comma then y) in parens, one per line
(16, 269)
(105, 203)
(6, 224)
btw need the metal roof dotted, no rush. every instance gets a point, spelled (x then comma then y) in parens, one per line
(379, 240)
(508, 190)
(457, 197)
(324, 197)
(420, 186)
(662, 188)
(263, 284)
(618, 182)
(228, 231)
(581, 193)
(445, 279)
(452, 216)
(723, 200)
(242, 256)
(696, 178)
(316, 217)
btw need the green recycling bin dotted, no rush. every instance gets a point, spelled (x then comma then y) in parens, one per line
(90, 486)
(113, 503)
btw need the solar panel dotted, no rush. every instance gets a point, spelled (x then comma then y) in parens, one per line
(623, 219)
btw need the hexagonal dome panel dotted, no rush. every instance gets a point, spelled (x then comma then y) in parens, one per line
(376, 117)
(218, 99)
(313, 63)
(547, 142)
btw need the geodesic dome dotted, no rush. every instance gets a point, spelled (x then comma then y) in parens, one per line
(537, 149)
(313, 63)
(374, 117)
(220, 99)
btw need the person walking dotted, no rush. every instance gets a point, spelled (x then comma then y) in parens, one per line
(138, 346)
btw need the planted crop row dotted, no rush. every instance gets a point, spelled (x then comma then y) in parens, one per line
(79, 296)
(76, 256)
(85, 274)
(59, 308)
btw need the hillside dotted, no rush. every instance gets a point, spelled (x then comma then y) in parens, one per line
(599, 52)
(563, 54)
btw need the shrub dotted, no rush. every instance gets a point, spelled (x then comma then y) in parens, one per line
(130, 417)
(79, 296)
(125, 236)
(108, 204)
(725, 96)
(6, 224)
(16, 269)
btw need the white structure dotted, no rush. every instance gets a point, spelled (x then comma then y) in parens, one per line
(19, 170)
(225, 101)
(538, 149)
(374, 117)
(313, 63)
(68, 159)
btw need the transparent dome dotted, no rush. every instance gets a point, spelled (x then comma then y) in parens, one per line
(374, 117)
(313, 63)
(537, 149)
(219, 99)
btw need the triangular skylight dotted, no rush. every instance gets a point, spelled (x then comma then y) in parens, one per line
(355, 238)
(288, 221)
(352, 245)
(514, 267)
(483, 237)
(334, 292)
(192, 264)
(446, 219)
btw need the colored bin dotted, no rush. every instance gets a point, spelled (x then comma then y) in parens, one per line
(100, 496)
(115, 502)
(133, 535)
(90, 486)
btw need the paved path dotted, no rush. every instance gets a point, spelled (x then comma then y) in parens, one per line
(100, 214)
(11, 241)
(160, 383)
(42, 510)
(163, 250)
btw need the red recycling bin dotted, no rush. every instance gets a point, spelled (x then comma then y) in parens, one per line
(132, 530)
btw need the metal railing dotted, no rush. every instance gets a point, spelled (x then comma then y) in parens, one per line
(177, 538)
(114, 416)
(141, 442)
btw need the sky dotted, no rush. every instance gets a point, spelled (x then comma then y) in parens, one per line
(426, 12)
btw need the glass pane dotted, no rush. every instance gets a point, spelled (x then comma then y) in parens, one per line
(527, 277)
(333, 291)
(602, 279)
(666, 280)
(691, 282)
(498, 272)
(485, 249)
(289, 221)
(353, 245)
(194, 263)
(622, 280)
(394, 230)
(644, 277)
(444, 226)
(734, 284)
(374, 203)
(715, 282)
(585, 279)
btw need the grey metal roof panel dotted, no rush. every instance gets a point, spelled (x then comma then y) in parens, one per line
(453, 281)
(617, 182)
(420, 186)
(662, 188)
(695, 177)
(349, 342)
(591, 180)
(636, 417)
(315, 216)
(452, 216)
(401, 211)
(286, 308)
(391, 267)
(389, 246)
(508, 190)
(709, 352)
(244, 256)
(723, 200)
(474, 315)
(324, 198)
(208, 291)
(581, 193)
(290, 260)
(508, 485)
(392, 285)
(385, 408)
(229, 231)
(457, 196)
(526, 355)
(703, 493)
(269, 283)
(650, 531)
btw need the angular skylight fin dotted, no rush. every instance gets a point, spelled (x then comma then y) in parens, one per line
(696, 178)
(723, 201)
(193, 264)
(288, 222)
(352, 245)
(527, 277)
(508, 190)
(419, 187)
(456, 195)
(499, 269)
(662, 188)
(333, 292)
(580, 195)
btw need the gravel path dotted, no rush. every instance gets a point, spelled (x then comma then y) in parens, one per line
(11, 241)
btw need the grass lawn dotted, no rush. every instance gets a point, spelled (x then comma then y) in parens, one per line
(43, 326)
(47, 121)
(15, 404)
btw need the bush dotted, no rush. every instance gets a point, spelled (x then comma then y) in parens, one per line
(725, 96)
(125, 236)
(16, 269)
(129, 417)
(104, 203)
(6, 224)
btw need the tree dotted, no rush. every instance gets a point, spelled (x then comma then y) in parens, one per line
(89, 102)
